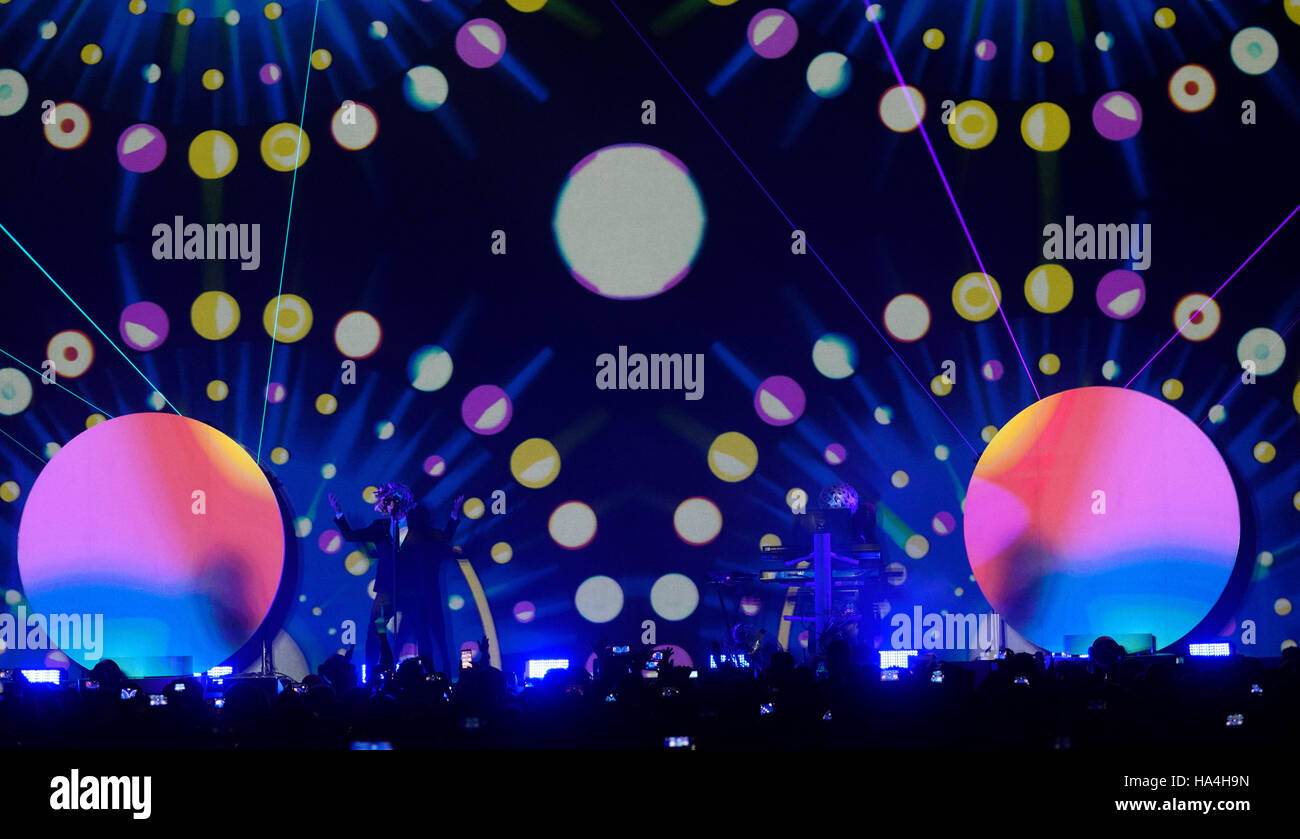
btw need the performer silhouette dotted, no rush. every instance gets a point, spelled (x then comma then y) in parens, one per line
(410, 552)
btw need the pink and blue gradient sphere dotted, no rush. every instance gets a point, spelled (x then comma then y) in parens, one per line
(166, 527)
(1101, 511)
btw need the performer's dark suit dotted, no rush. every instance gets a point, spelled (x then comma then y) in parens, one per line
(407, 582)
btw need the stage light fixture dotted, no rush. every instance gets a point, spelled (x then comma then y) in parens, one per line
(1216, 650)
(539, 667)
(896, 658)
(39, 677)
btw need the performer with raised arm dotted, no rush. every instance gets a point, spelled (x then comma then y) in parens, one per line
(410, 552)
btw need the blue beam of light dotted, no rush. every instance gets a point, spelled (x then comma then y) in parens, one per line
(736, 366)
(56, 382)
(523, 77)
(729, 70)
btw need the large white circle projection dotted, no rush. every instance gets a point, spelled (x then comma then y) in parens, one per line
(163, 525)
(1101, 511)
(629, 221)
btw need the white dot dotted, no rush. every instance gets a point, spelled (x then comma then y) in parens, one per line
(599, 599)
(674, 597)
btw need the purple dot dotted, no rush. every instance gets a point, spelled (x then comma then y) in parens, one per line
(275, 392)
(141, 148)
(1121, 293)
(144, 326)
(486, 410)
(992, 370)
(525, 611)
(434, 465)
(270, 73)
(330, 541)
(944, 523)
(1117, 115)
(779, 400)
(480, 43)
(835, 454)
(772, 33)
(985, 50)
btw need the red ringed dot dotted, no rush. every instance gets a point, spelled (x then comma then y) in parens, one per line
(67, 126)
(1192, 88)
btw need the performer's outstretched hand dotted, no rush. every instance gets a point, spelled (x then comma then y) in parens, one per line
(455, 506)
(334, 504)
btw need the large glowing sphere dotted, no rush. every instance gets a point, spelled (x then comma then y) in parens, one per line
(162, 524)
(480, 43)
(429, 368)
(732, 456)
(835, 356)
(13, 92)
(674, 597)
(1101, 511)
(535, 463)
(486, 409)
(772, 33)
(141, 148)
(779, 400)
(425, 88)
(829, 74)
(629, 221)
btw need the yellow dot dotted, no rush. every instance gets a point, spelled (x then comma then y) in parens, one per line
(972, 124)
(214, 315)
(473, 508)
(534, 5)
(502, 553)
(988, 432)
(1288, 643)
(316, 610)
(1165, 17)
(213, 154)
(1264, 451)
(1293, 10)
(94, 420)
(933, 38)
(535, 463)
(971, 298)
(9, 491)
(279, 455)
(280, 147)
(321, 59)
(1296, 500)
(1295, 397)
(357, 563)
(1049, 288)
(218, 390)
(1282, 606)
(91, 54)
(1043, 52)
(959, 591)
(326, 404)
(213, 79)
(916, 546)
(941, 385)
(769, 540)
(899, 479)
(714, 2)
(272, 11)
(1265, 558)
(1172, 389)
(368, 494)
(1050, 364)
(1045, 126)
(185, 17)
(136, 7)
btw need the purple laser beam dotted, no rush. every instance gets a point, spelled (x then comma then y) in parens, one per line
(793, 226)
(898, 74)
(1216, 292)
